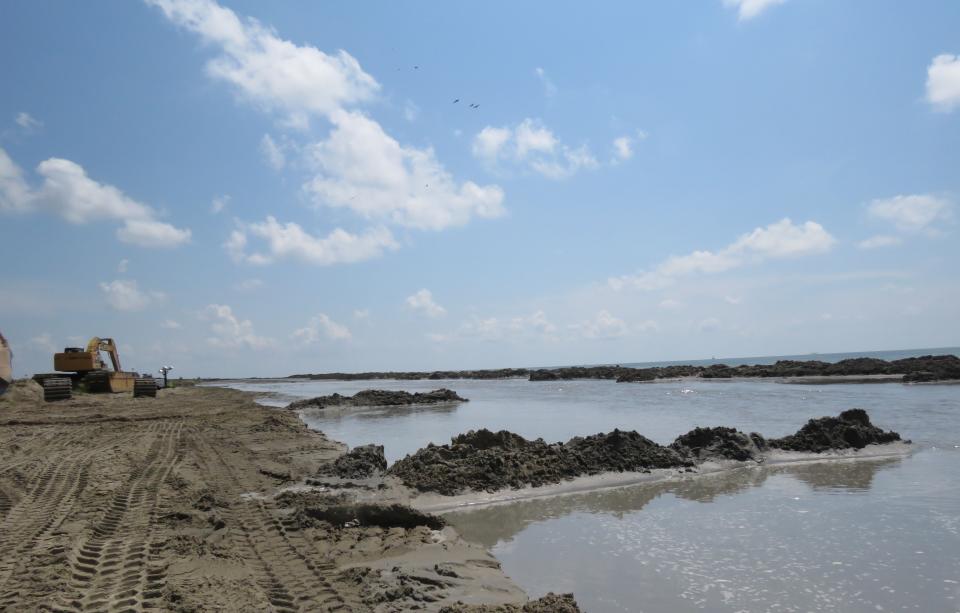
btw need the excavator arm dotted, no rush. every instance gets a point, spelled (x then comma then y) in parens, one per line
(97, 344)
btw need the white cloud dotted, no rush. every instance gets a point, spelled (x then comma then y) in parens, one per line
(248, 285)
(603, 326)
(533, 326)
(125, 295)
(290, 241)
(123, 266)
(231, 332)
(549, 89)
(68, 192)
(170, 324)
(361, 313)
(710, 324)
(321, 326)
(362, 168)
(734, 300)
(943, 82)
(358, 166)
(219, 203)
(43, 342)
(880, 240)
(623, 147)
(410, 111)
(275, 74)
(533, 146)
(748, 9)
(782, 239)
(671, 304)
(272, 153)
(27, 122)
(423, 301)
(914, 213)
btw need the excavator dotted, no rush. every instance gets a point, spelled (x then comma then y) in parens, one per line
(89, 371)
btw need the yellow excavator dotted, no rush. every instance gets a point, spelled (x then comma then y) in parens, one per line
(89, 371)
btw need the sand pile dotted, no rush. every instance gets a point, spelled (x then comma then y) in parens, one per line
(482, 460)
(378, 398)
(488, 461)
(359, 463)
(849, 430)
(22, 391)
(551, 603)
(703, 444)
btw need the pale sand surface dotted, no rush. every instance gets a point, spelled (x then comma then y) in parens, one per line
(109, 503)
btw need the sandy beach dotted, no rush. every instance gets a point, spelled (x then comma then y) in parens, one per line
(121, 504)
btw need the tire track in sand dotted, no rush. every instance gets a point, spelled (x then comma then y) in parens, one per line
(116, 566)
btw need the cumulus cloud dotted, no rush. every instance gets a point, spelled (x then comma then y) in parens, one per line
(123, 266)
(880, 240)
(125, 295)
(943, 82)
(533, 326)
(248, 285)
(361, 313)
(321, 326)
(602, 326)
(27, 122)
(782, 239)
(671, 304)
(219, 203)
(362, 168)
(710, 324)
(230, 332)
(623, 147)
(549, 89)
(295, 80)
(170, 324)
(290, 241)
(43, 342)
(423, 301)
(532, 146)
(68, 192)
(913, 213)
(358, 166)
(748, 9)
(272, 153)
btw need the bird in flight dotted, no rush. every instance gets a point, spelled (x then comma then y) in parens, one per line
(456, 101)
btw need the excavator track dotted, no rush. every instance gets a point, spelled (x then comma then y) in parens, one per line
(97, 381)
(145, 386)
(57, 388)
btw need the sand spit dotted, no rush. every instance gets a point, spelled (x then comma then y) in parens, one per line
(114, 503)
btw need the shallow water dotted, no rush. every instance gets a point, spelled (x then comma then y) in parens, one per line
(868, 535)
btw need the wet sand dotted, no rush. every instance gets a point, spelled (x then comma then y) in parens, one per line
(110, 503)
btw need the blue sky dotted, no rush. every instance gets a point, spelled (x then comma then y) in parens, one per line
(253, 188)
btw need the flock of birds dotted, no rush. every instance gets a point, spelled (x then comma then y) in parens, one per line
(471, 105)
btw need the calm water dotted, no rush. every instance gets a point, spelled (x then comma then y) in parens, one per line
(880, 535)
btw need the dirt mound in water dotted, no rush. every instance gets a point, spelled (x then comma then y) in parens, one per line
(702, 444)
(849, 430)
(551, 603)
(378, 398)
(358, 463)
(482, 460)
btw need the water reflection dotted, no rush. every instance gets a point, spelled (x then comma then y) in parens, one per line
(495, 524)
(336, 414)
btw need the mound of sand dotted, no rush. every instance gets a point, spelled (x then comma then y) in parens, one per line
(482, 460)
(22, 391)
(359, 463)
(723, 443)
(849, 430)
(378, 398)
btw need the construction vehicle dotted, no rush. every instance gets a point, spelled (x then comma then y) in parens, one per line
(6, 365)
(89, 371)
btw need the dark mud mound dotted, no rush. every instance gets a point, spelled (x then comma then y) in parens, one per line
(849, 430)
(378, 398)
(701, 444)
(358, 463)
(551, 603)
(930, 368)
(489, 461)
(381, 515)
